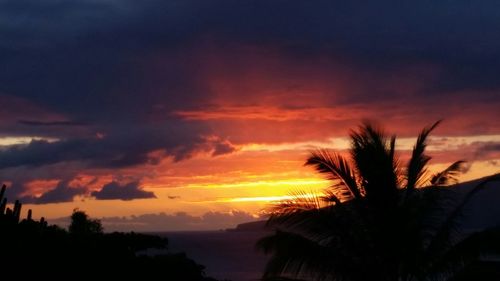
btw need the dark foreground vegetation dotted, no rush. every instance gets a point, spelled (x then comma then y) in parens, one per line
(381, 219)
(32, 249)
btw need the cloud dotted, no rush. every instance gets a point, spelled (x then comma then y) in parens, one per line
(120, 150)
(495, 147)
(222, 148)
(113, 47)
(105, 53)
(61, 193)
(485, 150)
(180, 221)
(158, 80)
(272, 113)
(128, 191)
(50, 123)
(66, 190)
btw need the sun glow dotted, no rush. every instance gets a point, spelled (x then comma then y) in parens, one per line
(263, 183)
(270, 199)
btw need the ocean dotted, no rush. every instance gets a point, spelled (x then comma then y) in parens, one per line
(227, 255)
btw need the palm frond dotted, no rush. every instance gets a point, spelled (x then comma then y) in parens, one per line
(333, 197)
(467, 251)
(317, 222)
(449, 175)
(396, 163)
(293, 255)
(360, 229)
(374, 158)
(296, 256)
(336, 168)
(318, 219)
(419, 160)
(442, 238)
(298, 201)
(280, 279)
(299, 212)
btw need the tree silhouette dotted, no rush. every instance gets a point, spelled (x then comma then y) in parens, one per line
(377, 221)
(81, 224)
(34, 250)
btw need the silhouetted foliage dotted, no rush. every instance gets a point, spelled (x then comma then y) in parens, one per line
(377, 221)
(82, 225)
(85, 252)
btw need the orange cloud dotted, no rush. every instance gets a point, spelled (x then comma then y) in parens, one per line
(272, 113)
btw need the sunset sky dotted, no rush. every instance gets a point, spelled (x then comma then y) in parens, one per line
(195, 114)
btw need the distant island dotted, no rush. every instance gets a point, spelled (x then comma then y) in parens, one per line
(254, 226)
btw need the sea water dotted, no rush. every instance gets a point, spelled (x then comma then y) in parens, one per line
(227, 255)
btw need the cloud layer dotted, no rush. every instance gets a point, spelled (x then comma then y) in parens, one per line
(180, 221)
(113, 90)
(115, 190)
(61, 193)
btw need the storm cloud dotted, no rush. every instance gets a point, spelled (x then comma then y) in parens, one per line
(483, 150)
(117, 191)
(123, 149)
(110, 85)
(61, 193)
(92, 60)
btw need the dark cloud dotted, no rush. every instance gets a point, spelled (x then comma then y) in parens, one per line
(123, 149)
(490, 147)
(50, 123)
(64, 192)
(85, 58)
(485, 149)
(171, 222)
(128, 191)
(61, 193)
(222, 147)
(121, 68)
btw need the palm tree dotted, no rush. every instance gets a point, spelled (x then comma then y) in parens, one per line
(377, 221)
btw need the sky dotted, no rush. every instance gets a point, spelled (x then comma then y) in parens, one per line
(195, 115)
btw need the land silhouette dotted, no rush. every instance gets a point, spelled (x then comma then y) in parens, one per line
(380, 220)
(31, 249)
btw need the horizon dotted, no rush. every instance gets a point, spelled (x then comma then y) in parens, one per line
(181, 222)
(196, 114)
